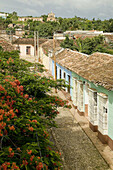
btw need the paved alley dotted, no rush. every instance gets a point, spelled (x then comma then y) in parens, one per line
(78, 151)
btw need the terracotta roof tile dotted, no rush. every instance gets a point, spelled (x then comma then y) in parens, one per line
(48, 45)
(28, 41)
(97, 67)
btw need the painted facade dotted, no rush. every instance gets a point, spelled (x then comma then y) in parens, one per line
(91, 100)
(46, 52)
(97, 106)
(63, 73)
(30, 18)
(44, 58)
(26, 48)
(91, 93)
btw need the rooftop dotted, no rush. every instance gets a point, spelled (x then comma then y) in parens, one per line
(97, 68)
(28, 41)
(48, 45)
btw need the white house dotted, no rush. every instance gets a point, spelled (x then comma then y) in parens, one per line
(3, 15)
(46, 52)
(26, 48)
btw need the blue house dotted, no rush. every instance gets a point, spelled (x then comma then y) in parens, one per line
(63, 73)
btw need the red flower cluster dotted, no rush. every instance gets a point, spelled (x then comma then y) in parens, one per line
(10, 60)
(11, 153)
(25, 162)
(39, 166)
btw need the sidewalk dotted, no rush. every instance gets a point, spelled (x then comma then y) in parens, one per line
(80, 147)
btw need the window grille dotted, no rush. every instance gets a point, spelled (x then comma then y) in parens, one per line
(75, 92)
(80, 96)
(102, 113)
(92, 106)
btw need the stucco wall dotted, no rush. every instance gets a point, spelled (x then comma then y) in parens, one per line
(110, 115)
(23, 49)
(46, 61)
(101, 89)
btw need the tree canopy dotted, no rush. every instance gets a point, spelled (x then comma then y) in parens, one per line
(75, 23)
(87, 45)
(27, 111)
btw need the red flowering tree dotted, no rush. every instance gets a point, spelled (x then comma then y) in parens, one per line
(26, 111)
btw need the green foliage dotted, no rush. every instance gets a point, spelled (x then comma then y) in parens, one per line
(45, 30)
(12, 16)
(87, 45)
(44, 17)
(26, 111)
(1, 49)
(90, 45)
(64, 24)
(68, 43)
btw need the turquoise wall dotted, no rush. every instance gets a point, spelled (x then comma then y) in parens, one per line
(101, 89)
(110, 119)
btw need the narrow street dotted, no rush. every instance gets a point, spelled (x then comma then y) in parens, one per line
(78, 152)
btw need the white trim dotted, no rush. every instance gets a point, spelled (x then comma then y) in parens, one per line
(103, 116)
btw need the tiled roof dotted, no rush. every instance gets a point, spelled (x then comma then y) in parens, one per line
(84, 36)
(7, 46)
(28, 41)
(71, 59)
(48, 45)
(99, 70)
(97, 67)
(110, 37)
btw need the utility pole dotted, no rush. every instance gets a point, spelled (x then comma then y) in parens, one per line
(38, 57)
(35, 48)
(54, 59)
(11, 37)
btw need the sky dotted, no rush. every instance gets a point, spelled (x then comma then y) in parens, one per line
(102, 9)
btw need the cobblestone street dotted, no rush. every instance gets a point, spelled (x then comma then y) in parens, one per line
(78, 151)
(79, 146)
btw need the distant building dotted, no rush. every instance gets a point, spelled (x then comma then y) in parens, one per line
(20, 32)
(26, 48)
(59, 36)
(11, 25)
(83, 33)
(51, 17)
(3, 15)
(30, 18)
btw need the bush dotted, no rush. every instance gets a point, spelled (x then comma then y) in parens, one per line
(26, 111)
